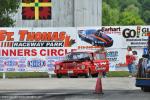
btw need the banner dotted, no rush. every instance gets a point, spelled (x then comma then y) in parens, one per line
(115, 39)
(34, 49)
(37, 49)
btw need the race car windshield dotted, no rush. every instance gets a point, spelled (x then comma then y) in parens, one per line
(99, 33)
(100, 57)
(90, 31)
(78, 56)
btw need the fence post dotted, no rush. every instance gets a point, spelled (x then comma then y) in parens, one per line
(4, 75)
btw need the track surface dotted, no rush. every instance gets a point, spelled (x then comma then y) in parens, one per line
(70, 89)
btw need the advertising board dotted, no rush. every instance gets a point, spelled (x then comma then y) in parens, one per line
(37, 49)
(34, 49)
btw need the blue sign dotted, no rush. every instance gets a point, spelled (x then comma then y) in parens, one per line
(36, 63)
(1, 69)
(21, 65)
(145, 51)
(10, 69)
(50, 65)
(1, 65)
(21, 69)
(22, 61)
(11, 63)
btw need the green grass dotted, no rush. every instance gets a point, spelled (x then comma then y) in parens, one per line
(45, 75)
(25, 75)
(118, 74)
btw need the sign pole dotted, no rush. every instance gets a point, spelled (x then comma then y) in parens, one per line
(49, 74)
(4, 75)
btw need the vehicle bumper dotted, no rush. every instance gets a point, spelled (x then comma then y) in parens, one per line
(143, 82)
(71, 72)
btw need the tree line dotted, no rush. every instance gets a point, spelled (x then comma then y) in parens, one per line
(114, 12)
(126, 12)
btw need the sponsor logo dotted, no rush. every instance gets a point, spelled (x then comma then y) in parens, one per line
(129, 33)
(1, 69)
(50, 69)
(21, 69)
(21, 65)
(112, 55)
(1, 61)
(145, 51)
(36, 63)
(135, 33)
(10, 69)
(2, 65)
(50, 65)
(111, 30)
(22, 61)
(11, 63)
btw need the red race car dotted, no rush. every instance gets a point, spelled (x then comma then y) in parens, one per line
(82, 63)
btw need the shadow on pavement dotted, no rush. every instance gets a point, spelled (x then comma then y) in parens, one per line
(68, 94)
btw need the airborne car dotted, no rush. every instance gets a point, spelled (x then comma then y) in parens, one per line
(95, 37)
(82, 63)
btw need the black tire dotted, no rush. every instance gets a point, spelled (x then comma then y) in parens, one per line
(59, 76)
(82, 38)
(95, 75)
(87, 75)
(79, 36)
(145, 89)
(93, 43)
(73, 76)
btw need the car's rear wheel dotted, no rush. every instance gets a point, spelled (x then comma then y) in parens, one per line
(145, 89)
(95, 75)
(73, 76)
(88, 74)
(59, 76)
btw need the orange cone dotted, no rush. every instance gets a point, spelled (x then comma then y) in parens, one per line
(98, 88)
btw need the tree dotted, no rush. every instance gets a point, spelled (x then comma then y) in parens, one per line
(110, 16)
(146, 16)
(131, 16)
(112, 3)
(145, 10)
(146, 4)
(125, 3)
(105, 13)
(7, 9)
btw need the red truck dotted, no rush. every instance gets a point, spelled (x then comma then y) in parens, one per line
(82, 63)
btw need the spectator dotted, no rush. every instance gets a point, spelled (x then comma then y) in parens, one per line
(129, 60)
(135, 62)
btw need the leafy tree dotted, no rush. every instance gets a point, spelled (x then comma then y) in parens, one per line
(105, 13)
(112, 3)
(146, 16)
(126, 12)
(114, 16)
(146, 4)
(7, 9)
(110, 16)
(132, 8)
(131, 16)
(127, 18)
(125, 3)
(145, 8)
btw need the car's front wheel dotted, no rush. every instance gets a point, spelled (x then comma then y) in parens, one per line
(95, 75)
(145, 89)
(93, 43)
(59, 76)
(88, 74)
